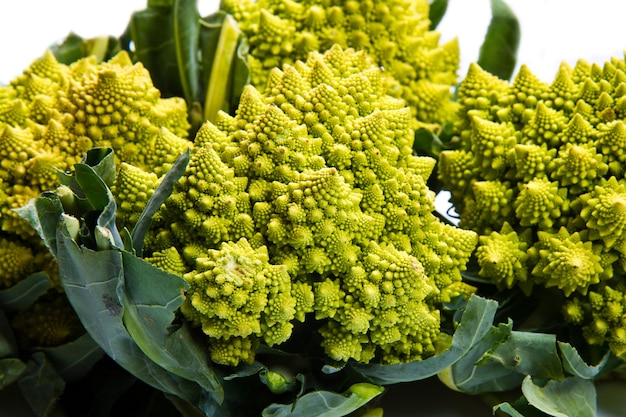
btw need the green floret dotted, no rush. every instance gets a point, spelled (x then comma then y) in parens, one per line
(16, 262)
(539, 174)
(380, 302)
(601, 314)
(395, 33)
(318, 172)
(502, 258)
(235, 293)
(564, 261)
(132, 189)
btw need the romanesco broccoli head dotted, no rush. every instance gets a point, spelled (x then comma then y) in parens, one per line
(539, 173)
(50, 116)
(315, 179)
(395, 33)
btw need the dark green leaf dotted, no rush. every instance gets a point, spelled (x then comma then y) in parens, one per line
(90, 280)
(162, 192)
(240, 75)
(507, 408)
(25, 292)
(427, 143)
(94, 188)
(186, 30)
(160, 3)
(8, 345)
(498, 53)
(11, 369)
(41, 385)
(326, 403)
(500, 361)
(152, 33)
(571, 397)
(475, 324)
(69, 50)
(75, 359)
(101, 160)
(150, 297)
(74, 47)
(244, 370)
(436, 12)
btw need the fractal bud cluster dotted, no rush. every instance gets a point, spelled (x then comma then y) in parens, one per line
(539, 173)
(315, 181)
(396, 34)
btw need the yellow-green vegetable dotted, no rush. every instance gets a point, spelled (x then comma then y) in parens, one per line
(539, 173)
(314, 180)
(395, 33)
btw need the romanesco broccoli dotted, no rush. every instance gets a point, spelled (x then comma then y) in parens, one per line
(395, 33)
(539, 173)
(313, 189)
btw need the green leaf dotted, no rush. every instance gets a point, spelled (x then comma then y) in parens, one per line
(519, 408)
(498, 53)
(571, 397)
(11, 369)
(25, 292)
(41, 385)
(8, 344)
(186, 25)
(426, 142)
(160, 3)
(528, 353)
(74, 47)
(326, 403)
(244, 370)
(575, 365)
(75, 359)
(221, 41)
(149, 311)
(90, 281)
(102, 160)
(436, 12)
(467, 376)
(507, 408)
(500, 361)
(43, 213)
(475, 324)
(69, 50)
(152, 33)
(91, 184)
(162, 192)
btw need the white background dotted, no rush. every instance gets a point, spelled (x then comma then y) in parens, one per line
(552, 31)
